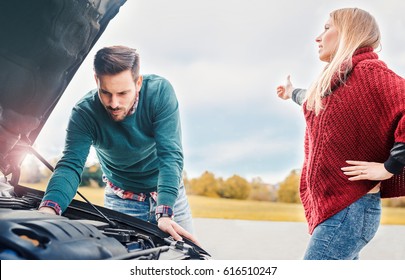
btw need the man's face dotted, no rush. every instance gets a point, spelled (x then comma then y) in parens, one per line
(118, 93)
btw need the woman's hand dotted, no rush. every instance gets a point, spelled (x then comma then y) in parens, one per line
(364, 170)
(285, 91)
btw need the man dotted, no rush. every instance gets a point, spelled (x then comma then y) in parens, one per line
(133, 123)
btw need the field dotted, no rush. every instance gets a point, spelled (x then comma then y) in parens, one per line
(205, 207)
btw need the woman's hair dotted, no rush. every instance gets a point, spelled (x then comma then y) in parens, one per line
(115, 59)
(356, 29)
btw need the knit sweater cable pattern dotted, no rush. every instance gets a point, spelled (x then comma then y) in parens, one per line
(362, 119)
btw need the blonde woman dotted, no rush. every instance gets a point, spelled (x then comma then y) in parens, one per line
(354, 139)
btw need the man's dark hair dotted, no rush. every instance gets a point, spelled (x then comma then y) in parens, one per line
(115, 59)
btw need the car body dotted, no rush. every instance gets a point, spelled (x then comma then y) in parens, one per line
(43, 44)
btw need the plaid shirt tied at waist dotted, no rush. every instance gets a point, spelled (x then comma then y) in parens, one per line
(128, 194)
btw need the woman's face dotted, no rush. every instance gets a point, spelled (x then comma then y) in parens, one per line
(328, 42)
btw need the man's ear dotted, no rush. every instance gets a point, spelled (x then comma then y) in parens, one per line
(139, 82)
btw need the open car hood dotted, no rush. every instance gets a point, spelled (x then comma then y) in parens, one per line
(43, 43)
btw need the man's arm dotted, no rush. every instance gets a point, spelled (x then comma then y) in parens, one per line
(63, 184)
(167, 133)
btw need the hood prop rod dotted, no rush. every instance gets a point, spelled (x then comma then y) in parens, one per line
(110, 222)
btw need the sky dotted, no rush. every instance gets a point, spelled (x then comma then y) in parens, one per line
(225, 59)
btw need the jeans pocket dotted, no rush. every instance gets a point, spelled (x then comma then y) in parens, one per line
(371, 223)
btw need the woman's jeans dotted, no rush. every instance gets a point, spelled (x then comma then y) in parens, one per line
(344, 235)
(145, 210)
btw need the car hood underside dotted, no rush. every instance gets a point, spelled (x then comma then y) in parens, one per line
(43, 43)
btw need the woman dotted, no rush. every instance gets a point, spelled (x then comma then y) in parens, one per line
(354, 139)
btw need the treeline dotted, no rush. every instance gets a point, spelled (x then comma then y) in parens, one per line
(237, 187)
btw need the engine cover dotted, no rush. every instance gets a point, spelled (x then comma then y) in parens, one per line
(34, 235)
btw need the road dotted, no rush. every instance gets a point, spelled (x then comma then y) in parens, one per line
(258, 240)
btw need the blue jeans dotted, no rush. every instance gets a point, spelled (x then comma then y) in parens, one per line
(145, 210)
(344, 235)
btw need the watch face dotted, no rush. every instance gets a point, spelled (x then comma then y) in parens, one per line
(160, 215)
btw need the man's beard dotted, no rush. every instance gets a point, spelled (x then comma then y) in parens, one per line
(116, 117)
(123, 113)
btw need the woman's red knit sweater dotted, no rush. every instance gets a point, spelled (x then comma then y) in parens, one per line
(362, 120)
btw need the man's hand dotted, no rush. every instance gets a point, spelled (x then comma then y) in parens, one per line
(48, 210)
(364, 170)
(285, 91)
(169, 226)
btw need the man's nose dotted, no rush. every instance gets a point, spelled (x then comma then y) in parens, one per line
(114, 101)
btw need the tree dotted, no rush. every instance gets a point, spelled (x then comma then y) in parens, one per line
(235, 187)
(92, 173)
(262, 191)
(206, 185)
(289, 188)
(186, 182)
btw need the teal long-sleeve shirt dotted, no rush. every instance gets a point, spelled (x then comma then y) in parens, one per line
(142, 153)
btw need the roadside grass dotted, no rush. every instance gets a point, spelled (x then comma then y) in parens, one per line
(220, 208)
(206, 207)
